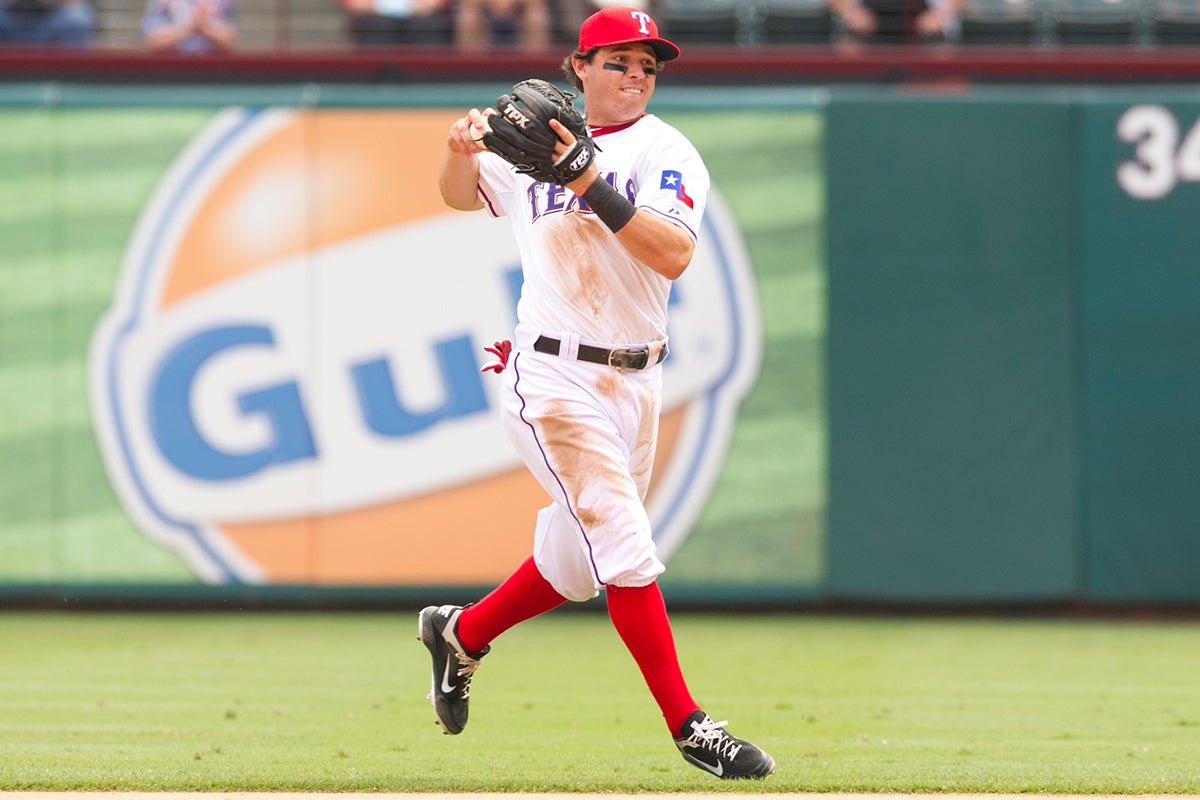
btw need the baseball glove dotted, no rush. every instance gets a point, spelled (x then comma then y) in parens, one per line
(520, 132)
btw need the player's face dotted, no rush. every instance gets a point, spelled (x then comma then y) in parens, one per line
(618, 83)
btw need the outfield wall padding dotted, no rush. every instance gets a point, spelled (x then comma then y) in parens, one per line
(1010, 383)
(1013, 383)
(1139, 366)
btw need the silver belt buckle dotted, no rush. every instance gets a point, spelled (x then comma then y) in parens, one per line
(623, 359)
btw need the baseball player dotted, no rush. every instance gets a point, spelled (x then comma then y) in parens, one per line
(605, 214)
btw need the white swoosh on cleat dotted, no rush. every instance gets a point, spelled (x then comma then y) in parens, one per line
(446, 687)
(718, 770)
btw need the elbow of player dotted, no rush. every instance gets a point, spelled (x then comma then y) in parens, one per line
(684, 253)
(457, 197)
(672, 268)
(677, 258)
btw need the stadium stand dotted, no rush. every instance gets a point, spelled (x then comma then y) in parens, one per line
(796, 21)
(1176, 22)
(310, 24)
(263, 25)
(702, 21)
(1097, 22)
(297, 25)
(1001, 22)
(118, 24)
(746, 23)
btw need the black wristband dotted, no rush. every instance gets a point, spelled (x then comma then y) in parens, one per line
(612, 209)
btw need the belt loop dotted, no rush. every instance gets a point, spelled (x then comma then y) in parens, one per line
(569, 346)
(658, 351)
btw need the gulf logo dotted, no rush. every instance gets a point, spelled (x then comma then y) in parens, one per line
(286, 387)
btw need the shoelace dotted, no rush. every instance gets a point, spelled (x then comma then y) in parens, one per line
(466, 671)
(712, 736)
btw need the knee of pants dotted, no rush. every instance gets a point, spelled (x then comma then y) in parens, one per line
(642, 573)
(578, 567)
(561, 559)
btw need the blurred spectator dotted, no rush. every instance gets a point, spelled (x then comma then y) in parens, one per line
(484, 24)
(190, 26)
(886, 21)
(54, 23)
(387, 22)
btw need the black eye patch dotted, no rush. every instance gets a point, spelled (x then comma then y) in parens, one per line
(623, 68)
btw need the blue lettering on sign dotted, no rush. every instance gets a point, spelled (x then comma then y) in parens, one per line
(381, 407)
(173, 424)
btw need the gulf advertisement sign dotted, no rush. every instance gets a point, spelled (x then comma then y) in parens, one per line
(287, 387)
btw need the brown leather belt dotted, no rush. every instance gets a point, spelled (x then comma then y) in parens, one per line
(619, 358)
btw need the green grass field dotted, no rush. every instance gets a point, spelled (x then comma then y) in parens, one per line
(335, 702)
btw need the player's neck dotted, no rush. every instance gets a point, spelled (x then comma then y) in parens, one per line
(597, 129)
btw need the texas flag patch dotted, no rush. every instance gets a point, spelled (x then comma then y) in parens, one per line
(673, 180)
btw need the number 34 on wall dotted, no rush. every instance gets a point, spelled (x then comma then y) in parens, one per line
(1160, 160)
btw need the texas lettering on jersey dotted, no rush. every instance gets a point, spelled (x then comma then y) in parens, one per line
(550, 198)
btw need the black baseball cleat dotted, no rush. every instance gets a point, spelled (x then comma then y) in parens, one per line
(453, 665)
(707, 745)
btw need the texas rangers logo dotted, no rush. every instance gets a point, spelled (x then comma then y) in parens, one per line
(643, 19)
(287, 388)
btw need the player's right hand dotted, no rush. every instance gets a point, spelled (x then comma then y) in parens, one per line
(460, 139)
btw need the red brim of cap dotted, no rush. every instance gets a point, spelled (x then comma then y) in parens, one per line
(663, 50)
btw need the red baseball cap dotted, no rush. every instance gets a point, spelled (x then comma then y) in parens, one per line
(622, 25)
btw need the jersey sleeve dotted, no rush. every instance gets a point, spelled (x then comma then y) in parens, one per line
(497, 183)
(673, 182)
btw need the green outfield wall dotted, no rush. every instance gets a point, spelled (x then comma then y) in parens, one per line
(1014, 389)
(949, 349)
(940, 348)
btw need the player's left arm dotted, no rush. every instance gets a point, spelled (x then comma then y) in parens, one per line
(660, 243)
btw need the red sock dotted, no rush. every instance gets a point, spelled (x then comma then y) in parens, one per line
(524, 595)
(640, 617)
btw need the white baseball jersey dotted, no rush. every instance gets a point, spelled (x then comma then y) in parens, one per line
(588, 432)
(578, 277)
